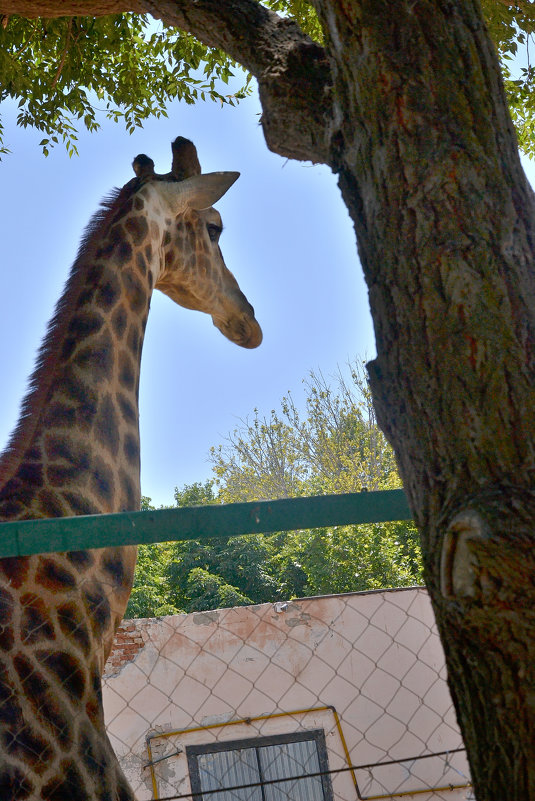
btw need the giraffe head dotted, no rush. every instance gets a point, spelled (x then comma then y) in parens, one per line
(191, 269)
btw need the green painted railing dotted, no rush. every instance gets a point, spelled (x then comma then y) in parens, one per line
(25, 537)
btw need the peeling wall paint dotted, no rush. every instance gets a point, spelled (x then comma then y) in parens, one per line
(279, 668)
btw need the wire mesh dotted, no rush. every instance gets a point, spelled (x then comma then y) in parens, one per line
(366, 669)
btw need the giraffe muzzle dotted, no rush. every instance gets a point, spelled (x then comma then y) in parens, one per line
(243, 331)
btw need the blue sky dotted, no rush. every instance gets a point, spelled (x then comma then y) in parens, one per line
(287, 238)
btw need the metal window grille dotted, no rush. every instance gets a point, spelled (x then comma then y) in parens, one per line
(260, 762)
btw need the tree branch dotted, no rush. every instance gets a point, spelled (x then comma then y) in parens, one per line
(292, 71)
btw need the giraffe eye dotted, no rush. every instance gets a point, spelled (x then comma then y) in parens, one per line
(214, 231)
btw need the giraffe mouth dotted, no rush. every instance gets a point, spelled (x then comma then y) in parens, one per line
(243, 330)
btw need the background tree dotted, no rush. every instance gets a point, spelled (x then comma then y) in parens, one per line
(336, 447)
(405, 102)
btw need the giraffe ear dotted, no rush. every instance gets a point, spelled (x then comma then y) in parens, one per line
(199, 192)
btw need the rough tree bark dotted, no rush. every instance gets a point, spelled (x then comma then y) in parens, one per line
(405, 104)
(430, 171)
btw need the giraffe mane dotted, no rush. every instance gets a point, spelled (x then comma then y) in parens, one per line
(41, 377)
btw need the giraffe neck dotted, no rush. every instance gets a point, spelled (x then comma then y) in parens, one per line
(76, 451)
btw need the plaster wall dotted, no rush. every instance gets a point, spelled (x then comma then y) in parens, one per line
(367, 668)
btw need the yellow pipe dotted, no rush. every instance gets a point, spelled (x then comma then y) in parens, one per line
(346, 749)
(152, 773)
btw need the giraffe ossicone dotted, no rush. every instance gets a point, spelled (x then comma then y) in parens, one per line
(76, 451)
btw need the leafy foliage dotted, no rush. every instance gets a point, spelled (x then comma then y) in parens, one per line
(302, 11)
(511, 27)
(65, 71)
(334, 446)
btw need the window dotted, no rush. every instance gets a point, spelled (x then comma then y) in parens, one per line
(219, 766)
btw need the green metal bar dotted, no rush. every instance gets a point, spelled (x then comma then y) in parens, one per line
(25, 537)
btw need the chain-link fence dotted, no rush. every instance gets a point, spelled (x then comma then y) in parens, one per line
(336, 697)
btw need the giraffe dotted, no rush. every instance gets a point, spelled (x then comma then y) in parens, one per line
(76, 451)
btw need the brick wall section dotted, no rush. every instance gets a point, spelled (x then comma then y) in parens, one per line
(127, 643)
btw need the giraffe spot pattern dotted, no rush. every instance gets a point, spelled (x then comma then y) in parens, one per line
(127, 376)
(15, 570)
(29, 746)
(7, 605)
(53, 576)
(14, 785)
(33, 454)
(31, 473)
(108, 292)
(102, 482)
(35, 622)
(107, 425)
(60, 474)
(73, 628)
(138, 228)
(69, 783)
(68, 347)
(83, 560)
(97, 607)
(58, 414)
(96, 683)
(96, 359)
(105, 251)
(141, 263)
(123, 210)
(128, 410)
(22, 741)
(78, 503)
(129, 491)
(123, 253)
(134, 340)
(135, 292)
(91, 753)
(10, 711)
(76, 389)
(60, 447)
(131, 449)
(85, 324)
(43, 698)
(119, 321)
(12, 508)
(112, 563)
(65, 669)
(170, 259)
(57, 720)
(94, 275)
(50, 503)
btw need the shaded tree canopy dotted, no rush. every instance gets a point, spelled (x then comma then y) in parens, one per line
(61, 70)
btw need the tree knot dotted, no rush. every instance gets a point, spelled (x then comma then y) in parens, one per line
(461, 572)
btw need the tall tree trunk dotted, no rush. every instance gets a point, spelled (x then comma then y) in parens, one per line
(430, 172)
